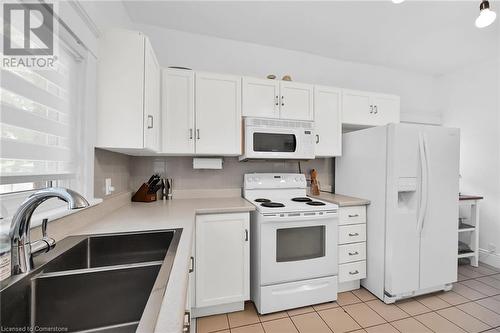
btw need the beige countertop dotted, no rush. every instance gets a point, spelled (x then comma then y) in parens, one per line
(341, 200)
(177, 213)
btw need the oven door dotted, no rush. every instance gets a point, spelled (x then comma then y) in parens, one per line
(298, 248)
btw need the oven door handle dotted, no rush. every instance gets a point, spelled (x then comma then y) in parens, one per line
(304, 287)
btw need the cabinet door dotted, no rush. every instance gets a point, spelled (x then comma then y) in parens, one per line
(151, 99)
(120, 90)
(327, 121)
(222, 263)
(386, 109)
(260, 97)
(178, 111)
(296, 101)
(218, 114)
(356, 108)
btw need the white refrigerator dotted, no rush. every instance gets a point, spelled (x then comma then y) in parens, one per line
(410, 173)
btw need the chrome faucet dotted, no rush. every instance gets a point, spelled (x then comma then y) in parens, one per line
(22, 249)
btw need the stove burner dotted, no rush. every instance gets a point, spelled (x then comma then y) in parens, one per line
(272, 204)
(262, 200)
(302, 199)
(315, 203)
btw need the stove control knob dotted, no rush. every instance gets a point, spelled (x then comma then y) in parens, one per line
(256, 179)
(297, 179)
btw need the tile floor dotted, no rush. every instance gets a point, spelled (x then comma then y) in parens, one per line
(472, 306)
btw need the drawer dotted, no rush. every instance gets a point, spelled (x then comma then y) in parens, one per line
(292, 295)
(352, 215)
(352, 252)
(352, 233)
(352, 271)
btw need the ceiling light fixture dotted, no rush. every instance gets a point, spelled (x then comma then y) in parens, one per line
(397, 1)
(486, 15)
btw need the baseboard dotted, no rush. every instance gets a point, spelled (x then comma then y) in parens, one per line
(492, 259)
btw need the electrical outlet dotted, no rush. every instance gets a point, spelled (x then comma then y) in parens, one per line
(492, 248)
(108, 188)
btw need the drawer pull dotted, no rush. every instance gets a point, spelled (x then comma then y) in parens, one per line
(353, 234)
(353, 215)
(354, 273)
(353, 253)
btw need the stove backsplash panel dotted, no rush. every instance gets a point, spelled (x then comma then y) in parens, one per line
(180, 169)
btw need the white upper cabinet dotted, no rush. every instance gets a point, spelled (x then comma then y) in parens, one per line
(277, 99)
(328, 121)
(218, 114)
(128, 95)
(151, 99)
(178, 123)
(360, 108)
(296, 100)
(260, 98)
(386, 109)
(201, 113)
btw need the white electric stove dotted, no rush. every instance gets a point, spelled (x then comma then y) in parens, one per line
(293, 243)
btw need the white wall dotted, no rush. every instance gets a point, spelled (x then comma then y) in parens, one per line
(470, 101)
(199, 52)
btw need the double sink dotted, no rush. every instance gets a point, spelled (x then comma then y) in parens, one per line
(96, 283)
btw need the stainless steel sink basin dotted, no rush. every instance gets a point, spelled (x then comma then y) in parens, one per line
(102, 283)
(111, 250)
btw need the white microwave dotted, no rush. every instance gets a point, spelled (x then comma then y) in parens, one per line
(266, 138)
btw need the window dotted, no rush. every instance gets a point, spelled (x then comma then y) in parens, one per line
(41, 135)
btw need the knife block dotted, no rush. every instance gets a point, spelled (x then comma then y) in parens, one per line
(143, 195)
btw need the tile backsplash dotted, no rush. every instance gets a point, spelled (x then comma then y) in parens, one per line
(180, 169)
(112, 165)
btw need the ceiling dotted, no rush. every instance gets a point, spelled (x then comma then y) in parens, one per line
(432, 37)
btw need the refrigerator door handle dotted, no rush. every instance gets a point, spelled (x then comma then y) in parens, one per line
(424, 183)
(426, 152)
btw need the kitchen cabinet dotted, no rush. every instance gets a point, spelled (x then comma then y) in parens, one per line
(128, 93)
(364, 109)
(201, 113)
(260, 97)
(178, 121)
(218, 114)
(352, 247)
(277, 99)
(222, 262)
(328, 121)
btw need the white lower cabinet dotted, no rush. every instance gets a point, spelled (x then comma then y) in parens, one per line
(221, 263)
(352, 247)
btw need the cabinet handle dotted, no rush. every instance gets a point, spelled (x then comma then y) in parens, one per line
(246, 235)
(282, 103)
(353, 234)
(276, 100)
(375, 109)
(353, 253)
(191, 268)
(198, 134)
(317, 138)
(371, 108)
(190, 134)
(353, 215)
(150, 121)
(354, 272)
